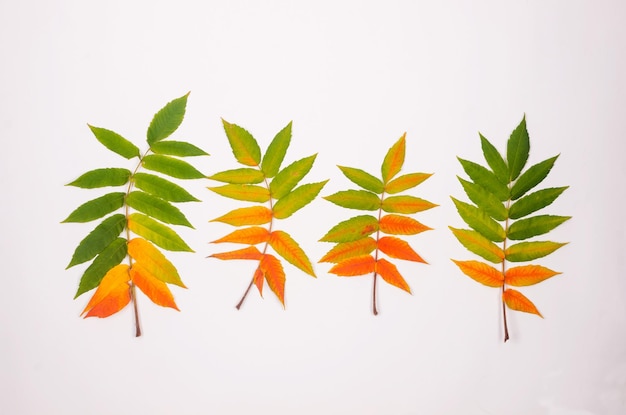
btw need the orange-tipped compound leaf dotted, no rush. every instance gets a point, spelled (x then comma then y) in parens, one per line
(112, 295)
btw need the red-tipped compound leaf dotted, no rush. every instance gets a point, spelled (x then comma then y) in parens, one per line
(244, 146)
(481, 272)
(352, 229)
(258, 280)
(354, 266)
(479, 245)
(254, 215)
(406, 182)
(154, 261)
(515, 300)
(250, 252)
(363, 179)
(112, 295)
(245, 192)
(250, 236)
(394, 159)
(527, 275)
(297, 199)
(406, 204)
(346, 250)
(401, 225)
(391, 275)
(155, 289)
(289, 249)
(398, 248)
(274, 275)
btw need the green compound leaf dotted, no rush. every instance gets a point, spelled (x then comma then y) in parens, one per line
(484, 200)
(102, 178)
(527, 251)
(97, 208)
(355, 199)
(98, 239)
(245, 192)
(495, 160)
(245, 175)
(297, 199)
(517, 150)
(290, 176)
(156, 232)
(352, 229)
(162, 188)
(479, 245)
(167, 120)
(532, 177)
(276, 151)
(536, 225)
(363, 179)
(157, 208)
(394, 159)
(405, 182)
(115, 142)
(406, 204)
(534, 202)
(244, 146)
(112, 255)
(177, 148)
(485, 178)
(171, 166)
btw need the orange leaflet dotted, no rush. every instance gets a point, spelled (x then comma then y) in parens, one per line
(250, 252)
(390, 273)
(528, 275)
(155, 289)
(154, 261)
(258, 280)
(397, 248)
(401, 225)
(274, 274)
(112, 295)
(251, 236)
(347, 250)
(289, 249)
(253, 215)
(351, 267)
(515, 300)
(481, 272)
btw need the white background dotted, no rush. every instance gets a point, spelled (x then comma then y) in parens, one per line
(353, 76)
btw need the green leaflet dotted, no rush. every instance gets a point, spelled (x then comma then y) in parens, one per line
(527, 251)
(286, 179)
(98, 239)
(245, 175)
(177, 148)
(352, 229)
(485, 178)
(480, 221)
(532, 177)
(162, 188)
(297, 199)
(244, 146)
(102, 178)
(534, 202)
(355, 199)
(246, 192)
(405, 182)
(363, 179)
(171, 166)
(517, 150)
(288, 248)
(167, 120)
(484, 200)
(394, 160)
(276, 151)
(495, 160)
(157, 208)
(536, 225)
(115, 142)
(479, 245)
(107, 259)
(96, 208)
(156, 232)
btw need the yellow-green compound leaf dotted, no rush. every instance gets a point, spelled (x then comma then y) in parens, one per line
(394, 159)
(485, 178)
(534, 202)
(363, 179)
(401, 225)
(532, 177)
(480, 221)
(405, 182)
(276, 151)
(245, 148)
(245, 192)
(517, 150)
(177, 148)
(297, 199)
(536, 225)
(115, 142)
(97, 208)
(406, 204)
(290, 176)
(527, 251)
(98, 239)
(162, 188)
(167, 120)
(481, 272)
(171, 166)
(495, 160)
(154, 261)
(250, 236)
(102, 178)
(484, 200)
(245, 175)
(345, 250)
(254, 215)
(286, 247)
(355, 199)
(352, 229)
(479, 245)
(157, 208)
(107, 259)
(156, 232)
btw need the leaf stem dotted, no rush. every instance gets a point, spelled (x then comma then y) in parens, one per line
(506, 231)
(380, 213)
(240, 303)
